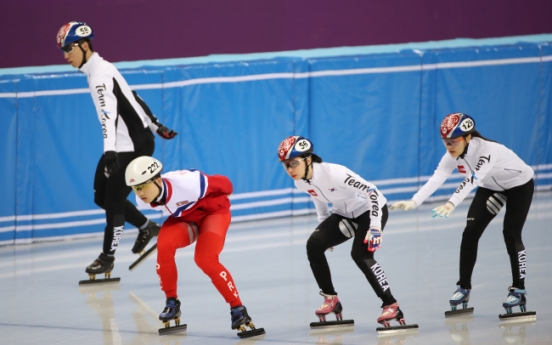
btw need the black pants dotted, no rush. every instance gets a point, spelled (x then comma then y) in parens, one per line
(485, 206)
(110, 193)
(331, 233)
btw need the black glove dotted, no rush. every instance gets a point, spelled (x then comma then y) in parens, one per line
(166, 133)
(111, 162)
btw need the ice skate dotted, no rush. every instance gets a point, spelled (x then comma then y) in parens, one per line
(516, 298)
(460, 296)
(331, 305)
(241, 320)
(144, 236)
(171, 312)
(393, 312)
(103, 264)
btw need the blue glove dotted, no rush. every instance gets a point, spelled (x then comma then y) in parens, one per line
(373, 238)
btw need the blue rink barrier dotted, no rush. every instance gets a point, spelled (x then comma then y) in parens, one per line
(378, 114)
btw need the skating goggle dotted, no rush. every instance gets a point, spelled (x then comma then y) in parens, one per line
(140, 187)
(452, 142)
(294, 163)
(68, 49)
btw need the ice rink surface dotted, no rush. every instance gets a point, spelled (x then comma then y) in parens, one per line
(41, 302)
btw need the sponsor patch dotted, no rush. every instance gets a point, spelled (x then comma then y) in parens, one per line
(312, 192)
(461, 169)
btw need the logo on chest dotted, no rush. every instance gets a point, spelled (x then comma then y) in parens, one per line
(182, 203)
(312, 192)
(461, 169)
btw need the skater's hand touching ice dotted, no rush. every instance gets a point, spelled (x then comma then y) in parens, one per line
(404, 205)
(373, 238)
(443, 211)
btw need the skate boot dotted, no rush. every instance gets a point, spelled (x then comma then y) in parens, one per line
(144, 236)
(103, 264)
(240, 319)
(171, 312)
(460, 296)
(516, 297)
(393, 312)
(331, 305)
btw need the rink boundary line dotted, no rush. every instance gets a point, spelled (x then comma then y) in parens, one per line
(263, 241)
(227, 250)
(292, 75)
(236, 219)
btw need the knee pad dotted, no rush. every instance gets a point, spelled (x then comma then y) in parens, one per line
(347, 227)
(495, 203)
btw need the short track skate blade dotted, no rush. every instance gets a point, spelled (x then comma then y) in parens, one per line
(464, 311)
(99, 281)
(332, 323)
(518, 317)
(143, 257)
(397, 329)
(174, 329)
(252, 333)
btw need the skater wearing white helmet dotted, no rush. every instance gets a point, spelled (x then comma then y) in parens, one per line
(503, 179)
(199, 210)
(358, 211)
(127, 125)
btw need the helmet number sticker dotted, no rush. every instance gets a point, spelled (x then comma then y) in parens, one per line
(302, 145)
(467, 125)
(83, 31)
(153, 167)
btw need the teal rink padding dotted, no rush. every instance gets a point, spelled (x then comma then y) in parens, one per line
(376, 112)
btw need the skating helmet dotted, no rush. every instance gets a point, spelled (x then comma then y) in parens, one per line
(294, 146)
(456, 125)
(72, 32)
(142, 169)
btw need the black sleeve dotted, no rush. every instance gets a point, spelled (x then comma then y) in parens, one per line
(146, 109)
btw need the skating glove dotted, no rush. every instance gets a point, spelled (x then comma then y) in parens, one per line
(166, 133)
(111, 161)
(443, 211)
(404, 205)
(373, 238)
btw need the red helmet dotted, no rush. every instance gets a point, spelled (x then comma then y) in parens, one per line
(72, 32)
(456, 125)
(294, 146)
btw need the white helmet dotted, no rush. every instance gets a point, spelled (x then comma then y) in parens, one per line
(142, 169)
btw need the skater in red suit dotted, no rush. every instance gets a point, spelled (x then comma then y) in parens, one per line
(199, 211)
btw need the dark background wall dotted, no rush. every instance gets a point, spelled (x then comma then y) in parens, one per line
(128, 30)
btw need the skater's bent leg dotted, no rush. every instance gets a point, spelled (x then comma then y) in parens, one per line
(173, 235)
(477, 220)
(517, 208)
(327, 235)
(372, 271)
(212, 234)
(365, 261)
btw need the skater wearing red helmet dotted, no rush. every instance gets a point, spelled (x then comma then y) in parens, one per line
(358, 211)
(127, 126)
(502, 178)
